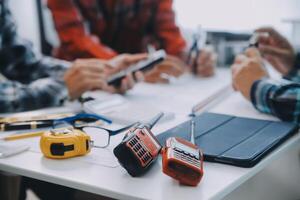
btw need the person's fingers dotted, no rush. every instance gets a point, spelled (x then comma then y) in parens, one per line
(233, 85)
(127, 60)
(203, 57)
(268, 30)
(130, 59)
(124, 61)
(110, 89)
(274, 38)
(170, 68)
(87, 62)
(130, 81)
(206, 70)
(94, 75)
(155, 77)
(95, 66)
(79, 75)
(90, 59)
(240, 58)
(139, 76)
(179, 63)
(277, 64)
(235, 68)
(271, 60)
(124, 86)
(252, 53)
(263, 39)
(88, 85)
(205, 65)
(273, 51)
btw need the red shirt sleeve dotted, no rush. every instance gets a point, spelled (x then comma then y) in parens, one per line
(167, 30)
(76, 42)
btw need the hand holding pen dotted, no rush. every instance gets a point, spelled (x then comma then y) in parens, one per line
(202, 60)
(275, 48)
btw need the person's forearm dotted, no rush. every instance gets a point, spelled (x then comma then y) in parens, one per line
(16, 97)
(167, 30)
(85, 47)
(280, 98)
(50, 67)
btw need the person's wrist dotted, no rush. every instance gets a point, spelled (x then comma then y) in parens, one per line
(248, 76)
(253, 89)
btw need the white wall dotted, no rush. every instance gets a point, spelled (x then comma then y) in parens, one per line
(25, 14)
(236, 14)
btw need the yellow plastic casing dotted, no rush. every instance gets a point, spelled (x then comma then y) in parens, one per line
(69, 142)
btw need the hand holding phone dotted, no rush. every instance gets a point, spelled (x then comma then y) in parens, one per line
(143, 65)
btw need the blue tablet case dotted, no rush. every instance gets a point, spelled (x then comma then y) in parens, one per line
(233, 140)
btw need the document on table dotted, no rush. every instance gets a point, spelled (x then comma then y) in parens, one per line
(122, 111)
(178, 97)
(103, 157)
(7, 149)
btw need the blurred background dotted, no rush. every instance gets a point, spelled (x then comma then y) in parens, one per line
(220, 18)
(236, 15)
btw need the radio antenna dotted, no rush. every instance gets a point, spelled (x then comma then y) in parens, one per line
(154, 120)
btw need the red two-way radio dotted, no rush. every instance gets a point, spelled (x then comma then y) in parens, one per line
(139, 148)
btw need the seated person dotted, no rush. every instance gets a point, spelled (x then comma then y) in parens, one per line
(105, 28)
(278, 97)
(29, 81)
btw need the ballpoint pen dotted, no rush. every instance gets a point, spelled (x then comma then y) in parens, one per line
(25, 125)
(82, 117)
(194, 52)
(195, 49)
(23, 118)
(254, 40)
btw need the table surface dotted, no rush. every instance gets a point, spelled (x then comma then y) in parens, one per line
(101, 175)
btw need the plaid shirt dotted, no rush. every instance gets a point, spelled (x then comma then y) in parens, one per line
(279, 97)
(105, 28)
(27, 80)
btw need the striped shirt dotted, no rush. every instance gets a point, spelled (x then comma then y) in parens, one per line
(279, 97)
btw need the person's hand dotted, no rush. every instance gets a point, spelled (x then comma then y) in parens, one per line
(170, 67)
(246, 70)
(205, 64)
(276, 50)
(124, 61)
(91, 74)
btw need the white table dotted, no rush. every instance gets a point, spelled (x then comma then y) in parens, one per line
(220, 181)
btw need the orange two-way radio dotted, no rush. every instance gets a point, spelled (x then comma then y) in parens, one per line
(183, 160)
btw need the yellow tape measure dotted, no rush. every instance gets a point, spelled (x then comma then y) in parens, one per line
(65, 143)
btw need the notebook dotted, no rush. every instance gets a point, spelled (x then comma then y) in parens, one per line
(233, 140)
(121, 111)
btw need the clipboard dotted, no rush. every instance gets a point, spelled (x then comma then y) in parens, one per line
(233, 140)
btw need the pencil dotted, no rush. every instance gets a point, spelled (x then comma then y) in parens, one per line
(23, 136)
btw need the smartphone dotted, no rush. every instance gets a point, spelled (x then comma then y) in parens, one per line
(143, 65)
